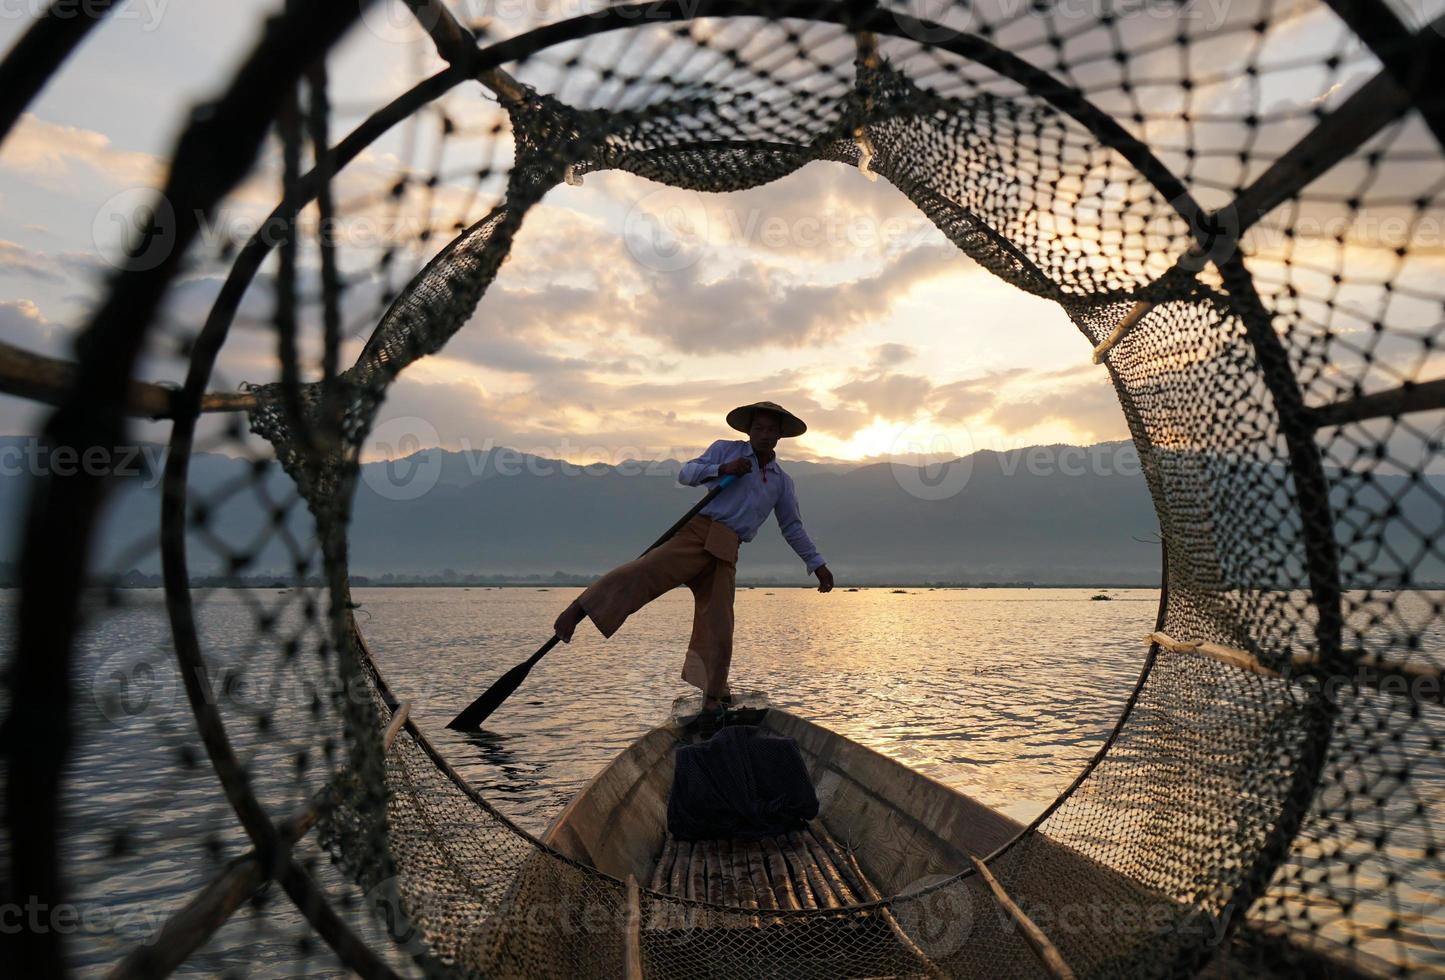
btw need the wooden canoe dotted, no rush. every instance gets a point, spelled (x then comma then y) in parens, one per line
(882, 830)
(900, 826)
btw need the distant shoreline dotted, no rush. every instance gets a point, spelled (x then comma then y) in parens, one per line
(760, 585)
(547, 586)
(554, 586)
(135, 581)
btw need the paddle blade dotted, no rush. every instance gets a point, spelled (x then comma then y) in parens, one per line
(478, 711)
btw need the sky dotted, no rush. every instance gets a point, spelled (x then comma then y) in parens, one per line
(626, 322)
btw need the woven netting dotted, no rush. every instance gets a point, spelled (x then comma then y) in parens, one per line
(1288, 786)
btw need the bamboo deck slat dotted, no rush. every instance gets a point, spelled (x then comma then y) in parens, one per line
(661, 882)
(829, 871)
(799, 870)
(714, 874)
(757, 868)
(783, 890)
(822, 891)
(696, 884)
(866, 892)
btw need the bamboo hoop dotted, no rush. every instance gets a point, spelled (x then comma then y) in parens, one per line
(398, 721)
(48, 379)
(632, 933)
(1131, 319)
(1422, 682)
(1043, 948)
(195, 922)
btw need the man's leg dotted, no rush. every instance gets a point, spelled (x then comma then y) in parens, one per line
(710, 651)
(629, 587)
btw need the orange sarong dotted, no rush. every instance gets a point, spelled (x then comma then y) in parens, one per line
(703, 556)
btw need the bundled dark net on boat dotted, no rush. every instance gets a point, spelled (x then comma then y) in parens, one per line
(1236, 212)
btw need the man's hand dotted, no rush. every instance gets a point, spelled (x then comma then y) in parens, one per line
(737, 467)
(825, 578)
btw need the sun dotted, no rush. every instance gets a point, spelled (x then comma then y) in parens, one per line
(917, 440)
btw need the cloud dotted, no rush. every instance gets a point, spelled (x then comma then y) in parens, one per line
(587, 419)
(571, 298)
(889, 396)
(37, 265)
(894, 397)
(965, 399)
(58, 157)
(756, 309)
(28, 263)
(1089, 408)
(25, 326)
(891, 354)
(824, 213)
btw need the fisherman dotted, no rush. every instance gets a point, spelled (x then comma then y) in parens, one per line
(703, 554)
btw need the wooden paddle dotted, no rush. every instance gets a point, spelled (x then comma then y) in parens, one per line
(477, 712)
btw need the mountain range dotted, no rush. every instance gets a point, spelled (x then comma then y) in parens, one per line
(1047, 515)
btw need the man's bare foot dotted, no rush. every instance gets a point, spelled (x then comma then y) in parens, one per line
(567, 622)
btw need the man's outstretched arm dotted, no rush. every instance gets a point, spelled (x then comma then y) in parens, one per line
(790, 520)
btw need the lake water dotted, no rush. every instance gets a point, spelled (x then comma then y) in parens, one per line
(948, 681)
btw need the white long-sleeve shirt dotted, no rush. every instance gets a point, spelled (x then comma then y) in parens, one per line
(748, 500)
